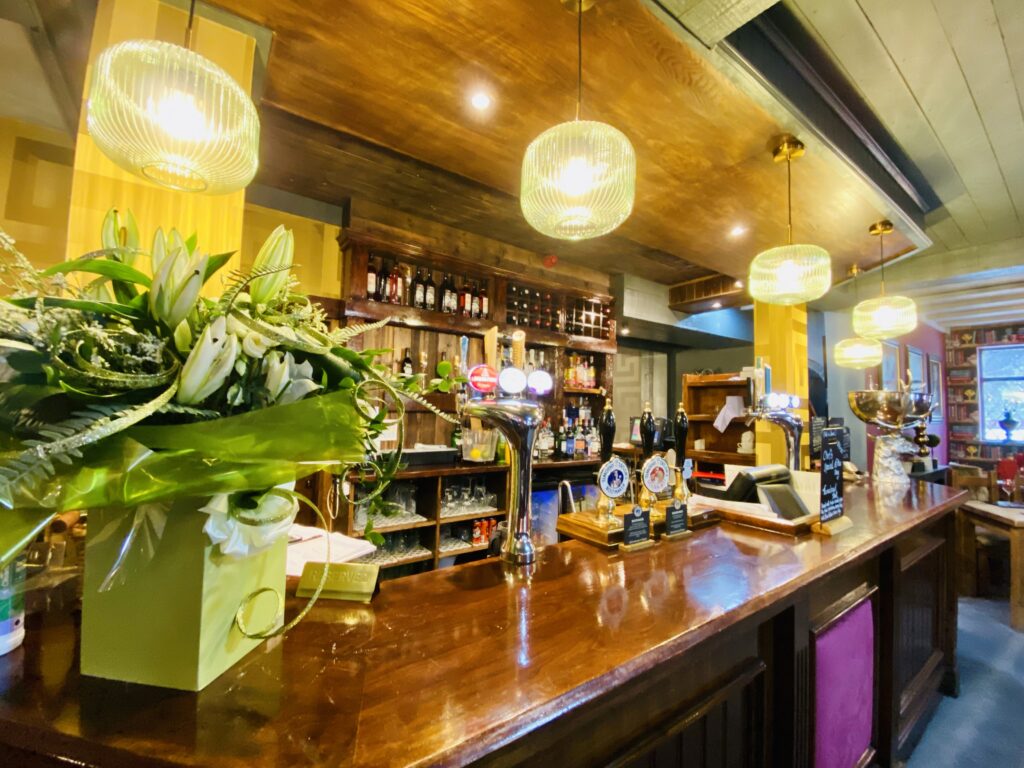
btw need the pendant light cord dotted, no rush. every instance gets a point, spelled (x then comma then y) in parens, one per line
(789, 196)
(579, 57)
(188, 27)
(881, 258)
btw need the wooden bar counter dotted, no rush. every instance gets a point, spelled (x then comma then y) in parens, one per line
(701, 647)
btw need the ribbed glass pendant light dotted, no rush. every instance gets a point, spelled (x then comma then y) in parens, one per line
(579, 177)
(791, 273)
(857, 353)
(163, 112)
(885, 317)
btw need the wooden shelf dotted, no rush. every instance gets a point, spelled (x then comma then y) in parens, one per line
(566, 463)
(707, 418)
(397, 527)
(581, 391)
(723, 383)
(469, 549)
(417, 557)
(442, 322)
(445, 519)
(722, 457)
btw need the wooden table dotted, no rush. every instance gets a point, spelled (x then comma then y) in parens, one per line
(1003, 520)
(699, 647)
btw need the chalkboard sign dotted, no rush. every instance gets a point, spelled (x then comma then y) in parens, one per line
(831, 474)
(818, 424)
(636, 526)
(676, 518)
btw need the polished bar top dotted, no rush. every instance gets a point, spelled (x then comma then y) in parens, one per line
(445, 666)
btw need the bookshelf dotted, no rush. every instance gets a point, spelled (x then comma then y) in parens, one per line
(963, 396)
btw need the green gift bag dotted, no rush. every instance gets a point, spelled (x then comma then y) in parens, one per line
(160, 600)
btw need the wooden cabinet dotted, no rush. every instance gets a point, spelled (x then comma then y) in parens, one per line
(703, 398)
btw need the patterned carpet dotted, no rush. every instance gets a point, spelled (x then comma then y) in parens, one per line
(984, 727)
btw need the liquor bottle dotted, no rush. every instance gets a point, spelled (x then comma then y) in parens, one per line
(474, 301)
(560, 441)
(464, 305)
(450, 299)
(606, 430)
(581, 441)
(456, 441)
(371, 281)
(591, 374)
(429, 291)
(380, 292)
(485, 304)
(681, 426)
(396, 286)
(582, 376)
(647, 430)
(407, 363)
(419, 290)
(569, 448)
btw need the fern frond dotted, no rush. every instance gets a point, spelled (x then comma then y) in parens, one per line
(65, 440)
(238, 281)
(187, 410)
(342, 335)
(418, 398)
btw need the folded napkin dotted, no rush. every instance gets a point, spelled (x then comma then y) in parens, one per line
(732, 409)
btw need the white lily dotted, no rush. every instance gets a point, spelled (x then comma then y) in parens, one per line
(158, 252)
(287, 381)
(176, 286)
(209, 363)
(277, 251)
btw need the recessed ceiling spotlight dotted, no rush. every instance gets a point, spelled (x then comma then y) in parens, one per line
(624, 330)
(738, 284)
(738, 231)
(717, 305)
(480, 100)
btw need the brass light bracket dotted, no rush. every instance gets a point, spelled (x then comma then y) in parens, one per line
(883, 227)
(788, 148)
(853, 270)
(573, 6)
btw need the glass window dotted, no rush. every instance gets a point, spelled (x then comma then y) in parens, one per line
(1001, 373)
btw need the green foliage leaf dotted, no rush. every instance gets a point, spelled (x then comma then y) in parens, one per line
(99, 307)
(215, 262)
(112, 269)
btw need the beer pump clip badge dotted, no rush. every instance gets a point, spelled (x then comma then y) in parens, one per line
(613, 478)
(655, 474)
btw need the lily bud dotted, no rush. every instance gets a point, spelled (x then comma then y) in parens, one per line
(209, 363)
(159, 250)
(277, 251)
(176, 286)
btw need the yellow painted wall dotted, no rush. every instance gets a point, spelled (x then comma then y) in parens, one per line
(780, 338)
(35, 189)
(98, 184)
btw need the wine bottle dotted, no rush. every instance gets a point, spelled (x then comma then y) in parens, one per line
(647, 430)
(681, 426)
(429, 291)
(606, 430)
(474, 301)
(419, 289)
(464, 305)
(371, 280)
(407, 363)
(485, 304)
(383, 281)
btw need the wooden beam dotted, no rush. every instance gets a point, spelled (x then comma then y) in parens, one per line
(301, 156)
(710, 21)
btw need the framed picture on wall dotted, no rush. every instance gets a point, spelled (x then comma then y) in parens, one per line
(918, 375)
(890, 365)
(936, 385)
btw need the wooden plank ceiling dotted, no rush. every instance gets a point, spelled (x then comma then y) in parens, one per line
(390, 84)
(946, 79)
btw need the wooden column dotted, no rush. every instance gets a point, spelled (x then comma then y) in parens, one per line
(98, 184)
(780, 338)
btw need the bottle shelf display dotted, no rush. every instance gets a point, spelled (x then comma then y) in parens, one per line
(703, 398)
(963, 398)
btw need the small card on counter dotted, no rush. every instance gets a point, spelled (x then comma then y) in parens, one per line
(345, 581)
(636, 526)
(676, 518)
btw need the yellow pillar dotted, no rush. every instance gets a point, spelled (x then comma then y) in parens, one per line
(780, 339)
(98, 185)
